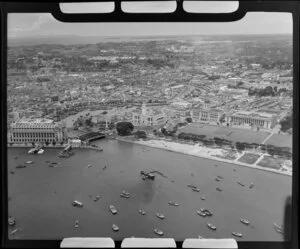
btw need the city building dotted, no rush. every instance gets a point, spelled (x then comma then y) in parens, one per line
(147, 117)
(36, 130)
(265, 120)
(206, 115)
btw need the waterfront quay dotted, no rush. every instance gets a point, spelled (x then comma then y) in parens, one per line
(45, 194)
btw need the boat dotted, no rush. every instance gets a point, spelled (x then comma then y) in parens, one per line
(237, 234)
(142, 212)
(31, 151)
(113, 209)
(191, 186)
(219, 189)
(20, 166)
(173, 203)
(124, 196)
(246, 222)
(211, 226)
(161, 216)
(279, 230)
(54, 163)
(125, 192)
(12, 172)
(147, 175)
(77, 204)
(115, 227)
(29, 162)
(76, 224)
(242, 184)
(206, 211)
(11, 221)
(89, 165)
(196, 189)
(158, 232)
(217, 179)
(97, 198)
(201, 213)
(203, 198)
(251, 185)
(221, 177)
(14, 231)
(276, 225)
(41, 151)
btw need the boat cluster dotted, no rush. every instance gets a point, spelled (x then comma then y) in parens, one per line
(147, 175)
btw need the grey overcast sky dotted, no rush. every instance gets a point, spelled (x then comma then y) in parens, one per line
(37, 24)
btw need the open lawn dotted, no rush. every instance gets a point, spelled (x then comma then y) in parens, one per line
(249, 158)
(281, 140)
(270, 162)
(229, 133)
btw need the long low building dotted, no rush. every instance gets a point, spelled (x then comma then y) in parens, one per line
(259, 119)
(36, 130)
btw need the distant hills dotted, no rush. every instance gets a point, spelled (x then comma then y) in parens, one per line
(76, 39)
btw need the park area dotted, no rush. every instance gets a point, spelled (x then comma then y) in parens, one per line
(249, 158)
(270, 162)
(281, 140)
(229, 133)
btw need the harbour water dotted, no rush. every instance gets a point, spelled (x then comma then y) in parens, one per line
(40, 196)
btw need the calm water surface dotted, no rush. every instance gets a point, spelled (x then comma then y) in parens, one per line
(41, 196)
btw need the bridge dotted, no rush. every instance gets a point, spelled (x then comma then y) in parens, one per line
(91, 136)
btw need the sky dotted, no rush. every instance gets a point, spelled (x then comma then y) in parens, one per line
(44, 24)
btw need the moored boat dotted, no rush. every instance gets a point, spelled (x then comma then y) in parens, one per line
(244, 221)
(173, 203)
(113, 209)
(77, 204)
(206, 211)
(20, 166)
(196, 189)
(41, 151)
(158, 232)
(29, 162)
(115, 227)
(97, 198)
(242, 184)
(217, 179)
(251, 185)
(219, 189)
(201, 213)
(14, 231)
(161, 216)
(237, 234)
(142, 212)
(203, 198)
(124, 195)
(76, 224)
(211, 226)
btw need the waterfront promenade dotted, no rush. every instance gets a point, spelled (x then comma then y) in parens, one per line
(198, 151)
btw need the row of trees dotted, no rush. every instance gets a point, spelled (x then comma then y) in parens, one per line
(268, 91)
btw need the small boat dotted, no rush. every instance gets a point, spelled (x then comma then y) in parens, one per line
(251, 185)
(246, 222)
(125, 192)
(89, 165)
(113, 209)
(20, 166)
(237, 234)
(97, 198)
(54, 162)
(161, 216)
(158, 232)
(29, 162)
(12, 172)
(191, 186)
(142, 212)
(201, 213)
(11, 221)
(279, 230)
(206, 211)
(77, 204)
(203, 198)
(219, 189)
(196, 189)
(14, 231)
(124, 196)
(217, 179)
(76, 224)
(221, 177)
(41, 151)
(115, 227)
(242, 184)
(173, 203)
(211, 226)
(31, 151)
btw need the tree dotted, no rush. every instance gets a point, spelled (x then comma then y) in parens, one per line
(124, 128)
(47, 143)
(189, 120)
(286, 123)
(140, 134)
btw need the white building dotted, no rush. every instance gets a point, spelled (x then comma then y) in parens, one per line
(206, 115)
(36, 130)
(147, 117)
